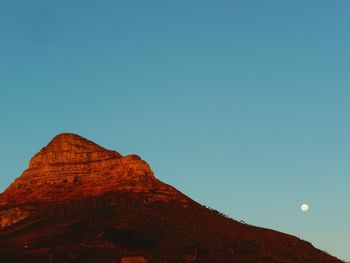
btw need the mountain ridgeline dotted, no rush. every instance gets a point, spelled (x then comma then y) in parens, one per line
(79, 202)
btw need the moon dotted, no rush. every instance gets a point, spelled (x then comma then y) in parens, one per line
(304, 208)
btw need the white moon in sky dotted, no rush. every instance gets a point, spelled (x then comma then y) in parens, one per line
(304, 207)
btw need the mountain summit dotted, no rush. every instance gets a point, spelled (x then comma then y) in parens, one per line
(68, 148)
(80, 202)
(71, 166)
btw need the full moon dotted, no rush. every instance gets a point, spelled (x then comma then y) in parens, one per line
(304, 207)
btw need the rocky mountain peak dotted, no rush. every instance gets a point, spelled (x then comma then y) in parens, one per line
(71, 141)
(71, 148)
(71, 167)
(79, 202)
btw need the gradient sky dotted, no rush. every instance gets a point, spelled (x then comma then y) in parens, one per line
(242, 105)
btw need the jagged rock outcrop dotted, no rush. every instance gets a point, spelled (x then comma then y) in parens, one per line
(71, 149)
(71, 166)
(11, 216)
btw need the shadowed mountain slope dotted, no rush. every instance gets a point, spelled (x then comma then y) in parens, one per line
(79, 202)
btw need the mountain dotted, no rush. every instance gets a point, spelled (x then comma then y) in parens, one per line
(79, 202)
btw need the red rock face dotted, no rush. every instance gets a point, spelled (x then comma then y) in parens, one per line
(71, 166)
(70, 149)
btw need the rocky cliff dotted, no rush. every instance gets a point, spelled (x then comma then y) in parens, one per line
(71, 166)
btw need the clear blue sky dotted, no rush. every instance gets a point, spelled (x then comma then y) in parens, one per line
(242, 105)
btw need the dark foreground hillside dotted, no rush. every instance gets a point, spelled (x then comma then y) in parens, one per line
(116, 224)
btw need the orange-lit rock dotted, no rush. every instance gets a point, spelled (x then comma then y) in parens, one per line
(71, 166)
(138, 259)
(11, 216)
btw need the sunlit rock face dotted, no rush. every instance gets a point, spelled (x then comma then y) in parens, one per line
(70, 149)
(138, 259)
(11, 216)
(71, 166)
